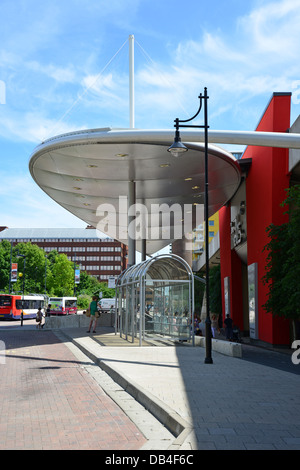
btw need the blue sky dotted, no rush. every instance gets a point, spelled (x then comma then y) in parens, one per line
(64, 67)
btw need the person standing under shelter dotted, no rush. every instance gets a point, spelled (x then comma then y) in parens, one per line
(94, 314)
(214, 325)
(229, 330)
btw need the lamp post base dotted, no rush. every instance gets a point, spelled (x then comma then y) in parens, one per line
(208, 358)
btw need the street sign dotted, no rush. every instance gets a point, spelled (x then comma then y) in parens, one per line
(111, 282)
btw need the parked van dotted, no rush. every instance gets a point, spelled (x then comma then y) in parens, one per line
(107, 304)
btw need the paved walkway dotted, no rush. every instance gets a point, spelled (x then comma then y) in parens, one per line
(230, 404)
(248, 403)
(49, 400)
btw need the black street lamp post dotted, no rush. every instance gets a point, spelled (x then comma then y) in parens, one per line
(177, 148)
(45, 274)
(75, 275)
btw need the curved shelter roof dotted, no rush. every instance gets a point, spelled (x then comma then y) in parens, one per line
(86, 169)
(161, 267)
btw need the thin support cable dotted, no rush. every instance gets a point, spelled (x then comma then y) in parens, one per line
(168, 82)
(85, 91)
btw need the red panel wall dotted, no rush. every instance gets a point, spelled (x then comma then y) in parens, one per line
(265, 190)
(231, 267)
(265, 185)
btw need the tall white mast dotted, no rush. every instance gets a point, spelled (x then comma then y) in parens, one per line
(131, 184)
(131, 81)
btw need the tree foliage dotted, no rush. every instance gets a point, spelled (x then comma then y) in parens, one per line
(90, 286)
(50, 273)
(283, 261)
(61, 279)
(215, 294)
(4, 263)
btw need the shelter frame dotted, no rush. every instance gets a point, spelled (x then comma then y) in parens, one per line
(156, 298)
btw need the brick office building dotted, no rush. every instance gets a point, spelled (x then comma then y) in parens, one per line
(99, 257)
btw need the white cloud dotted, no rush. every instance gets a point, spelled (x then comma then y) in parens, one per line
(96, 83)
(212, 47)
(232, 67)
(105, 86)
(264, 40)
(53, 55)
(274, 29)
(21, 196)
(59, 74)
(261, 56)
(32, 127)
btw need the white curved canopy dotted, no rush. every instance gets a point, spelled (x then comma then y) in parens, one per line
(84, 170)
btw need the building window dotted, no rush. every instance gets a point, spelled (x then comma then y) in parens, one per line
(78, 258)
(106, 268)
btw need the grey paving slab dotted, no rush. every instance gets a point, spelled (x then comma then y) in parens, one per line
(231, 404)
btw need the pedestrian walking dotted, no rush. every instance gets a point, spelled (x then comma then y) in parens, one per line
(39, 317)
(214, 325)
(94, 314)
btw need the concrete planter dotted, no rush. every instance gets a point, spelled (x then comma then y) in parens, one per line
(224, 347)
(77, 321)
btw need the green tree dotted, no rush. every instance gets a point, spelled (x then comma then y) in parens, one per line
(215, 295)
(283, 262)
(60, 282)
(53, 269)
(34, 274)
(88, 284)
(107, 293)
(5, 249)
(83, 301)
(199, 292)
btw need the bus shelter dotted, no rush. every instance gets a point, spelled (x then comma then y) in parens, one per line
(156, 298)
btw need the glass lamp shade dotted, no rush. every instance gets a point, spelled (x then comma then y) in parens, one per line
(177, 148)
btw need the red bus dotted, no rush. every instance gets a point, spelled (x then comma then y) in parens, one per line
(63, 305)
(12, 305)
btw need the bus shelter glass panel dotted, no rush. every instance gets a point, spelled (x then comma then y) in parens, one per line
(170, 312)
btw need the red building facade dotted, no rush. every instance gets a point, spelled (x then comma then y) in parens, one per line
(243, 235)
